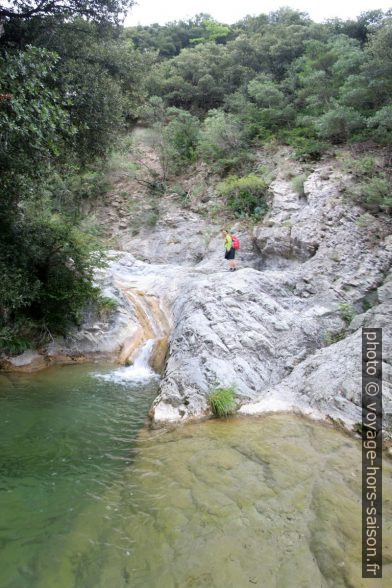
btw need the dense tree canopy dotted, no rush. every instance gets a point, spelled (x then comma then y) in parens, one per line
(281, 71)
(68, 86)
(100, 10)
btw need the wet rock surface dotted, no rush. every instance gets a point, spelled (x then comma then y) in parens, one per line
(28, 361)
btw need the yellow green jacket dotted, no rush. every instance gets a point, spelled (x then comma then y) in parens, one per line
(228, 242)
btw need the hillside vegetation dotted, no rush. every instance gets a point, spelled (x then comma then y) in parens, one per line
(73, 82)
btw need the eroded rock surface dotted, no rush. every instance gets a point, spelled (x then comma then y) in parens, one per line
(274, 329)
(28, 361)
(266, 332)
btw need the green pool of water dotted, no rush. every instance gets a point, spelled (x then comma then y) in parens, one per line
(89, 499)
(65, 439)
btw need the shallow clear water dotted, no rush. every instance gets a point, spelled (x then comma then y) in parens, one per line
(273, 502)
(65, 438)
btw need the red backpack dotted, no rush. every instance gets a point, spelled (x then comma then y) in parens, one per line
(236, 242)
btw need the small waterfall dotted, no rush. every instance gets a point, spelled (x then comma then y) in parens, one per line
(142, 358)
(138, 372)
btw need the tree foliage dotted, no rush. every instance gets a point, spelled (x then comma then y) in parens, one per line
(67, 88)
(281, 71)
(100, 10)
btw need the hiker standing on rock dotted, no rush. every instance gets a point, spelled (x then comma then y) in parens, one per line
(231, 244)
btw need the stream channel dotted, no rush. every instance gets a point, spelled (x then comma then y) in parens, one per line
(92, 497)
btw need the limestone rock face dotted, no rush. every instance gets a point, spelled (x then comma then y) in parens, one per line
(266, 332)
(268, 328)
(329, 381)
(237, 329)
(139, 316)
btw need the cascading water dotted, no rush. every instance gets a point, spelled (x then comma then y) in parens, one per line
(139, 371)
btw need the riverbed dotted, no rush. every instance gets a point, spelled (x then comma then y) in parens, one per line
(90, 497)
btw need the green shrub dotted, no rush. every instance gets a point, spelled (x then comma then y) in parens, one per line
(47, 266)
(376, 192)
(298, 184)
(338, 125)
(67, 192)
(265, 92)
(221, 141)
(307, 146)
(310, 149)
(245, 196)
(361, 167)
(151, 217)
(156, 187)
(16, 339)
(347, 312)
(365, 166)
(152, 111)
(372, 187)
(222, 401)
(106, 306)
(180, 139)
(381, 125)
(364, 220)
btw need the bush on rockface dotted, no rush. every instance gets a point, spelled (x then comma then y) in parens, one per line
(298, 184)
(376, 193)
(180, 139)
(381, 125)
(305, 142)
(372, 185)
(246, 196)
(221, 143)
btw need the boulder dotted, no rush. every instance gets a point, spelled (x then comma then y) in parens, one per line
(29, 361)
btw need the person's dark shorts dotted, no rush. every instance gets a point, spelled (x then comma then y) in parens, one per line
(230, 254)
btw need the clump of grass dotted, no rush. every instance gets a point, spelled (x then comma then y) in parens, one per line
(106, 306)
(364, 220)
(347, 312)
(298, 184)
(222, 401)
(151, 217)
(331, 338)
(120, 162)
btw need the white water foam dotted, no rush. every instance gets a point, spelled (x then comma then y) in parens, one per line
(140, 371)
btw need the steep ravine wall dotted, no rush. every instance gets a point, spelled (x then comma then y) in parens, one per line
(265, 331)
(263, 328)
